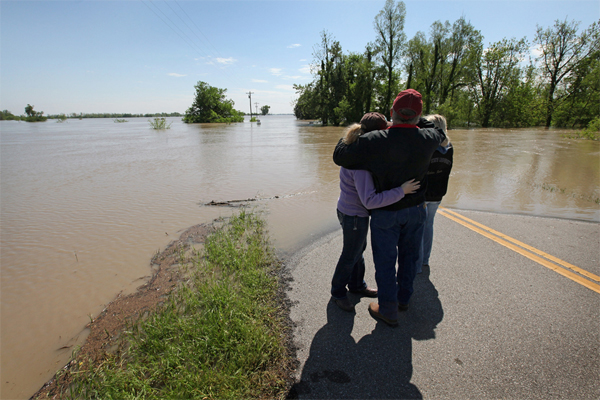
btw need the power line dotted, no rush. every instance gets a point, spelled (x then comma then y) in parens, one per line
(185, 39)
(199, 30)
(216, 52)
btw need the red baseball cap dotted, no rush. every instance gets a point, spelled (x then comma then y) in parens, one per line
(408, 99)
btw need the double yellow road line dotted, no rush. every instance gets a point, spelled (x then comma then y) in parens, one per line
(576, 274)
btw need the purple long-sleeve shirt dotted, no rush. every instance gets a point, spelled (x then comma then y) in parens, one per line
(358, 196)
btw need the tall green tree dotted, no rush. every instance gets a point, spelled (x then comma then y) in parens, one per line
(580, 95)
(422, 63)
(390, 42)
(211, 105)
(30, 112)
(562, 51)
(497, 71)
(331, 76)
(439, 65)
(522, 105)
(459, 58)
(306, 106)
(265, 109)
(359, 92)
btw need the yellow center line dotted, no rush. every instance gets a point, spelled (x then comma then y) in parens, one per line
(532, 249)
(564, 272)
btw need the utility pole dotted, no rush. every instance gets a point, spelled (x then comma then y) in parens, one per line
(250, 97)
(256, 105)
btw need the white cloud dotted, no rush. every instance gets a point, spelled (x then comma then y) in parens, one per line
(176, 75)
(535, 51)
(286, 87)
(305, 69)
(275, 71)
(291, 46)
(226, 61)
(302, 60)
(259, 81)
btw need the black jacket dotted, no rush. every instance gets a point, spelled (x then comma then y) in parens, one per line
(438, 174)
(393, 156)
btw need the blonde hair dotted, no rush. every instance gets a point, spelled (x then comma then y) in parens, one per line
(353, 132)
(440, 122)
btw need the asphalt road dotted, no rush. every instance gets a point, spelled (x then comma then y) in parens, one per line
(485, 322)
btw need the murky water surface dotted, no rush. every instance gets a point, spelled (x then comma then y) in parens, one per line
(85, 204)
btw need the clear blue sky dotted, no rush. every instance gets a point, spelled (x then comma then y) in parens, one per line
(145, 56)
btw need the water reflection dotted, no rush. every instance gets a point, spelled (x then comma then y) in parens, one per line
(531, 171)
(86, 203)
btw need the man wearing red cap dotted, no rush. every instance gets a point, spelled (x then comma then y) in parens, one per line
(394, 156)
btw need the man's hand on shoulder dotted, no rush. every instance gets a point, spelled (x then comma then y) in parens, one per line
(423, 123)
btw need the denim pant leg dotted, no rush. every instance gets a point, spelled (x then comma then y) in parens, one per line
(420, 262)
(409, 247)
(432, 207)
(350, 269)
(384, 238)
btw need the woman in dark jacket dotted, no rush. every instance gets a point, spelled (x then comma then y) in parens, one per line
(437, 185)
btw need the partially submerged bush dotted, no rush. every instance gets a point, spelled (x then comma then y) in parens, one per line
(159, 123)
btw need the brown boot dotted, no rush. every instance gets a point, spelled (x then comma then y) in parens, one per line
(366, 292)
(344, 304)
(374, 311)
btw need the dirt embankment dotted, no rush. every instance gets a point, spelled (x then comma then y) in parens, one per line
(106, 328)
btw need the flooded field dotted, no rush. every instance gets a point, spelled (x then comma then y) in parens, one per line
(85, 204)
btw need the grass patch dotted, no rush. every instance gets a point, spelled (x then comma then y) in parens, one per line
(591, 132)
(160, 123)
(222, 334)
(555, 189)
(120, 121)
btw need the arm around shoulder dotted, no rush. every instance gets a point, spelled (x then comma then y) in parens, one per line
(366, 192)
(349, 156)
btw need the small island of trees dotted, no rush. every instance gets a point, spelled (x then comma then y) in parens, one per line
(31, 115)
(211, 105)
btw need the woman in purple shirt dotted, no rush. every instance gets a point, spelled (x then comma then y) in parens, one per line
(357, 197)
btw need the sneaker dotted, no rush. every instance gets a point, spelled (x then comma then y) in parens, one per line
(366, 292)
(344, 304)
(374, 311)
(402, 306)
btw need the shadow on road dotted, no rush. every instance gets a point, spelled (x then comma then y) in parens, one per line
(379, 365)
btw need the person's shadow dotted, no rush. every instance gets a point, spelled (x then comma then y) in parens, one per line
(380, 364)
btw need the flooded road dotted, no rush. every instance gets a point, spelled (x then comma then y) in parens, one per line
(85, 204)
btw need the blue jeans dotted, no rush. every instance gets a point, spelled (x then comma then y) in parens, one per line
(432, 207)
(396, 235)
(350, 269)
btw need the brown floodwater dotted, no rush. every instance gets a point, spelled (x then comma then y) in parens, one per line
(85, 204)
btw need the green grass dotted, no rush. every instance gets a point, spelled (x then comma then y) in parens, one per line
(555, 189)
(221, 335)
(591, 132)
(160, 123)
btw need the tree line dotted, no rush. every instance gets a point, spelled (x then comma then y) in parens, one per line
(34, 116)
(114, 115)
(501, 85)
